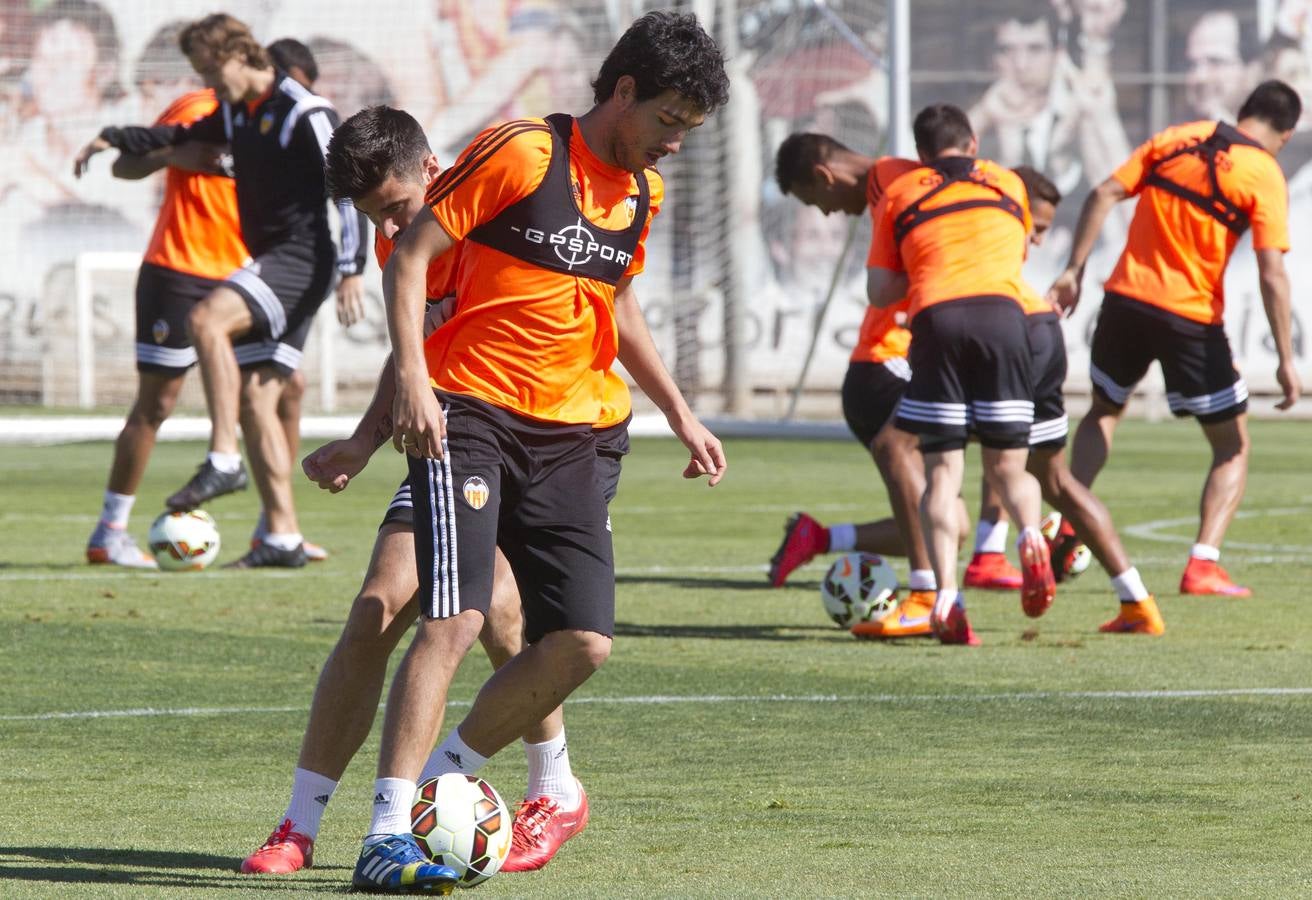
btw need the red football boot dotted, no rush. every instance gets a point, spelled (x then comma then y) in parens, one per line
(541, 826)
(992, 572)
(951, 626)
(1040, 586)
(804, 540)
(1205, 577)
(285, 851)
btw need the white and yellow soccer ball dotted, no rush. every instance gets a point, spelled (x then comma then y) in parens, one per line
(858, 587)
(461, 821)
(184, 541)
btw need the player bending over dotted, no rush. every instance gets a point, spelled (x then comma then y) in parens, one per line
(951, 237)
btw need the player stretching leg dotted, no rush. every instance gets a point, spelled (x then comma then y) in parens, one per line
(249, 332)
(294, 58)
(951, 237)
(196, 243)
(520, 305)
(1077, 505)
(824, 173)
(1200, 186)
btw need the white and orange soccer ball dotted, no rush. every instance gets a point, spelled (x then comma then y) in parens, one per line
(858, 587)
(461, 821)
(184, 541)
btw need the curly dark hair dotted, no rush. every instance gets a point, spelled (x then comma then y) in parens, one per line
(375, 142)
(666, 51)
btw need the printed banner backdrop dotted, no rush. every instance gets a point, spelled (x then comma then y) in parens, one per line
(738, 273)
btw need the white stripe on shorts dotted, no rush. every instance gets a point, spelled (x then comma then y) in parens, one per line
(1049, 430)
(1117, 394)
(264, 297)
(1002, 411)
(172, 357)
(446, 570)
(1209, 403)
(928, 411)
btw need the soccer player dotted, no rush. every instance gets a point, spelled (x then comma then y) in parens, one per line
(1081, 512)
(380, 159)
(195, 245)
(822, 172)
(553, 216)
(249, 332)
(1200, 186)
(951, 237)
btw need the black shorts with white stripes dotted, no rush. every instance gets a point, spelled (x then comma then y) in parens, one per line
(970, 372)
(283, 289)
(612, 447)
(1197, 366)
(165, 298)
(1048, 366)
(871, 392)
(530, 487)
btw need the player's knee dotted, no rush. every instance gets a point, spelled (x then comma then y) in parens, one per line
(369, 624)
(584, 652)
(294, 388)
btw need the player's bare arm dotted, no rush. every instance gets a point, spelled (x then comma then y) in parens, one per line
(333, 465)
(350, 300)
(1274, 283)
(416, 416)
(638, 354)
(1065, 291)
(884, 287)
(80, 162)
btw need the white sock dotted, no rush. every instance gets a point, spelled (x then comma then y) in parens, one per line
(1205, 551)
(1129, 586)
(922, 580)
(225, 462)
(310, 795)
(549, 773)
(261, 527)
(842, 538)
(288, 541)
(393, 798)
(944, 601)
(116, 509)
(453, 755)
(990, 537)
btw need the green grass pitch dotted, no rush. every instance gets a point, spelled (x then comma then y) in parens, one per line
(736, 744)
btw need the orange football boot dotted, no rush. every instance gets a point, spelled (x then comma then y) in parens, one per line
(910, 618)
(1140, 617)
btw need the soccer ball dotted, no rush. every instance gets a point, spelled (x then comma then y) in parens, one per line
(184, 541)
(858, 587)
(461, 821)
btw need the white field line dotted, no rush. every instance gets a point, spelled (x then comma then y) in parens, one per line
(707, 699)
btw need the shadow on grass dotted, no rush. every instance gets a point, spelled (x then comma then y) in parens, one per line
(730, 632)
(757, 583)
(153, 868)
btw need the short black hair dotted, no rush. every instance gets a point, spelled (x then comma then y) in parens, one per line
(666, 51)
(798, 156)
(370, 145)
(940, 127)
(1274, 103)
(160, 60)
(287, 52)
(1038, 185)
